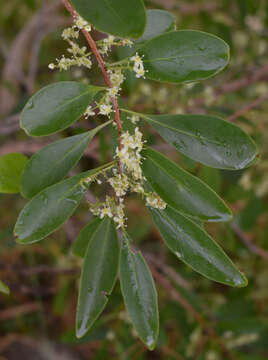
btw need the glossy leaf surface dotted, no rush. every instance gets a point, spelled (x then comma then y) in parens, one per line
(85, 236)
(116, 17)
(56, 106)
(207, 139)
(195, 247)
(182, 190)
(139, 294)
(49, 209)
(54, 161)
(98, 275)
(11, 169)
(184, 56)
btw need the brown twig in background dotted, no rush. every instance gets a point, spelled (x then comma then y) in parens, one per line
(29, 147)
(253, 76)
(248, 242)
(13, 70)
(176, 295)
(177, 278)
(16, 311)
(247, 108)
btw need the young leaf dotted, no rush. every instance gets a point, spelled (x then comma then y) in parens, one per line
(207, 139)
(49, 209)
(184, 56)
(139, 294)
(56, 106)
(182, 190)
(117, 17)
(158, 22)
(98, 275)
(54, 161)
(11, 169)
(85, 236)
(4, 288)
(195, 247)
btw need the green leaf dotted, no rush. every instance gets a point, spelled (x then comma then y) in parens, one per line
(85, 236)
(139, 294)
(195, 247)
(4, 288)
(11, 169)
(54, 161)
(182, 190)
(118, 17)
(98, 275)
(49, 209)
(184, 56)
(56, 106)
(207, 139)
(158, 22)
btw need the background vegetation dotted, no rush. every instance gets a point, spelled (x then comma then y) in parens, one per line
(199, 319)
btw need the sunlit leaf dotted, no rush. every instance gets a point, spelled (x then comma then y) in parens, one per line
(11, 169)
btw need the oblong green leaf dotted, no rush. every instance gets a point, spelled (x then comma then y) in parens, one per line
(207, 139)
(184, 56)
(117, 17)
(98, 275)
(191, 244)
(11, 169)
(139, 294)
(81, 243)
(4, 288)
(54, 161)
(182, 190)
(49, 209)
(56, 106)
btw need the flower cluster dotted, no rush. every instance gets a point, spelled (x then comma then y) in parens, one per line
(105, 105)
(129, 155)
(130, 178)
(111, 209)
(138, 66)
(79, 56)
(155, 201)
(106, 44)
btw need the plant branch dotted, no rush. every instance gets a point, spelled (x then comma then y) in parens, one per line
(93, 46)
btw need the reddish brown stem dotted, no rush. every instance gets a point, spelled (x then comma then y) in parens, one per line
(105, 74)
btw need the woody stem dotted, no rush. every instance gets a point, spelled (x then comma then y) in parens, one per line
(105, 74)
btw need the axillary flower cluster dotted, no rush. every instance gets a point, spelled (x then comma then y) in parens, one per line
(127, 178)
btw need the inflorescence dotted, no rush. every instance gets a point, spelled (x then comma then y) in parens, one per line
(129, 179)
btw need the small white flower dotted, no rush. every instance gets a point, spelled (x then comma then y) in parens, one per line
(51, 66)
(89, 112)
(106, 109)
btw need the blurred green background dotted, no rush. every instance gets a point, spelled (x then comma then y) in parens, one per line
(199, 319)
